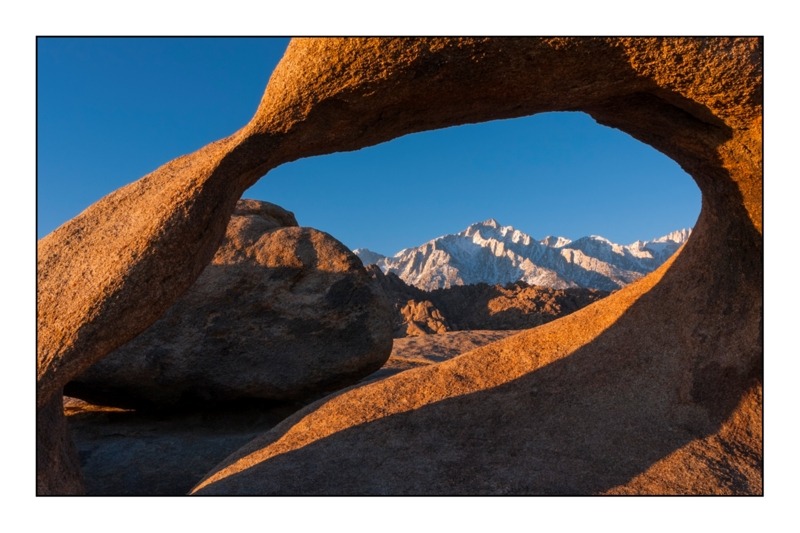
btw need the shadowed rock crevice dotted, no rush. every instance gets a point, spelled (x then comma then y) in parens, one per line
(158, 454)
(54, 448)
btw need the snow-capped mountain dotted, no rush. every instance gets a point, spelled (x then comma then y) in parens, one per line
(487, 252)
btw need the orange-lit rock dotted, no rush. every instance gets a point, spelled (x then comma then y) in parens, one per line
(618, 396)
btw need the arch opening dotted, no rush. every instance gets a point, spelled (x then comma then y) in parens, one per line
(550, 175)
(448, 169)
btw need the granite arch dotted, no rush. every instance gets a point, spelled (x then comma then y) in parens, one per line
(107, 274)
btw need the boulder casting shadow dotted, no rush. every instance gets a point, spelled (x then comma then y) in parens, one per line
(695, 343)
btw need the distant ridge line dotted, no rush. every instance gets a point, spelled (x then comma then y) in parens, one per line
(487, 252)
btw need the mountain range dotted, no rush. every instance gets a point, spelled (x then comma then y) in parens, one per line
(487, 252)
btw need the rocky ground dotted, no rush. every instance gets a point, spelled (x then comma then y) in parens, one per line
(424, 350)
(130, 452)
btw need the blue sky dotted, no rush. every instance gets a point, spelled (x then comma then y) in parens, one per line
(112, 110)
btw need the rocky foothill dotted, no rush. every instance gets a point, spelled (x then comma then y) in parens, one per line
(654, 389)
(477, 307)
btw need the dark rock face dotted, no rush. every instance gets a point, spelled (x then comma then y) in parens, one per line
(55, 448)
(281, 313)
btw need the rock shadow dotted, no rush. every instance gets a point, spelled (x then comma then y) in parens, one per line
(573, 427)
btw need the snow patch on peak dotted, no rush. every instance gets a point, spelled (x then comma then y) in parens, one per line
(518, 237)
(551, 241)
(678, 236)
(368, 257)
(600, 238)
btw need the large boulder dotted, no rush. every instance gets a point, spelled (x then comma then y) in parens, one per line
(653, 389)
(281, 313)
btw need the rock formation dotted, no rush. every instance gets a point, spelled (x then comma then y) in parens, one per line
(515, 306)
(412, 311)
(281, 313)
(421, 318)
(477, 307)
(655, 389)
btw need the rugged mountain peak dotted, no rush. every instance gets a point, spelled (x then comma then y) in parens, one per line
(486, 228)
(486, 252)
(491, 229)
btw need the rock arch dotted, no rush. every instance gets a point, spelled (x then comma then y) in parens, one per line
(620, 397)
